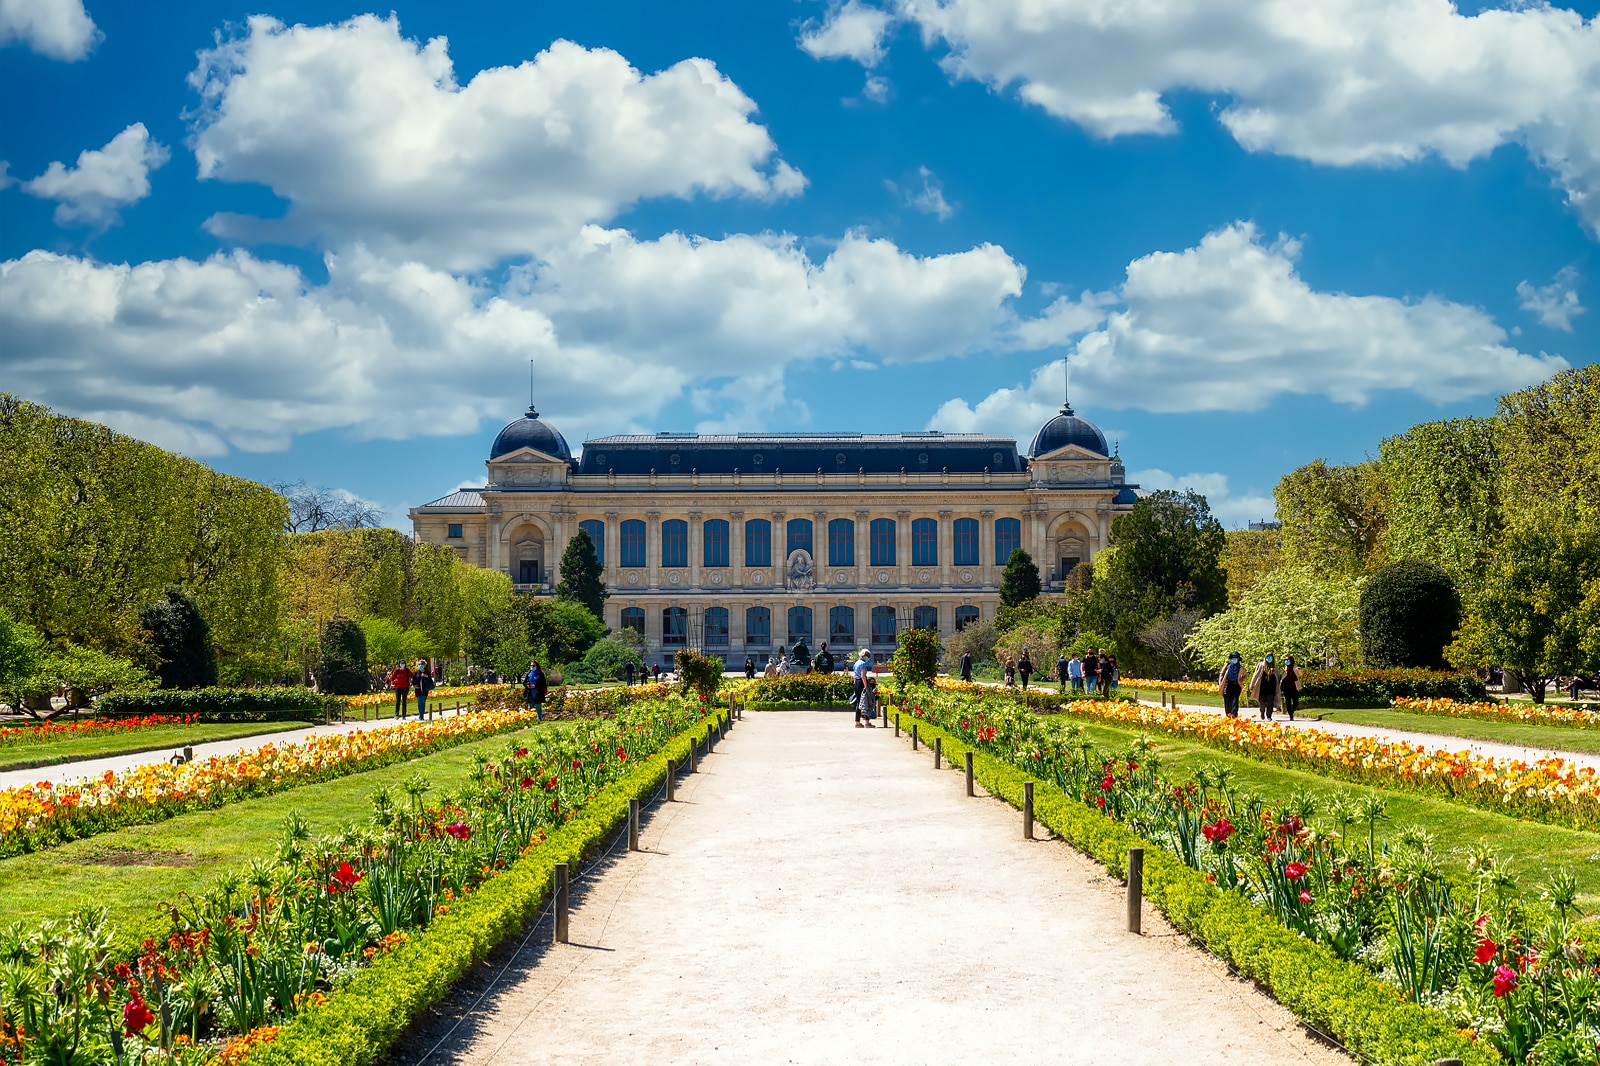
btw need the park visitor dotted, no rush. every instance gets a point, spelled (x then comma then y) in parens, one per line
(783, 665)
(1063, 671)
(1264, 687)
(655, 672)
(629, 671)
(966, 666)
(537, 688)
(1109, 678)
(400, 681)
(1011, 672)
(1228, 684)
(1291, 686)
(1025, 667)
(1075, 673)
(867, 705)
(771, 669)
(823, 663)
(859, 673)
(1091, 671)
(422, 684)
(749, 667)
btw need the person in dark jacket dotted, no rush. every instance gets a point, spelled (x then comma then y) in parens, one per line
(1063, 670)
(1264, 687)
(538, 687)
(629, 672)
(1291, 686)
(1091, 671)
(823, 663)
(1230, 683)
(422, 684)
(966, 666)
(1025, 668)
(749, 667)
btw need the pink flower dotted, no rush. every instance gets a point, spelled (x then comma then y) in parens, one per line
(1305, 897)
(1505, 980)
(1294, 871)
(459, 830)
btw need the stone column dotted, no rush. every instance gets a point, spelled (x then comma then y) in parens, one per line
(863, 551)
(986, 565)
(902, 548)
(736, 553)
(613, 547)
(947, 547)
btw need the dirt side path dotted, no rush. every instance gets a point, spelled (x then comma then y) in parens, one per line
(822, 895)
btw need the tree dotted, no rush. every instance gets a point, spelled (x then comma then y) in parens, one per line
(1534, 615)
(342, 664)
(19, 658)
(1019, 581)
(1248, 555)
(84, 672)
(977, 639)
(387, 643)
(1550, 445)
(1040, 639)
(1171, 544)
(701, 674)
(1409, 611)
(1168, 640)
(179, 638)
(485, 606)
(1291, 611)
(607, 659)
(1443, 481)
(581, 575)
(1334, 517)
(916, 657)
(313, 508)
(565, 629)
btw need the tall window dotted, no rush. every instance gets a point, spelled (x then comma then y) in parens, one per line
(716, 627)
(715, 534)
(799, 624)
(965, 616)
(758, 542)
(925, 618)
(1007, 539)
(674, 627)
(674, 542)
(842, 542)
(966, 542)
(597, 533)
(633, 543)
(882, 533)
(757, 627)
(924, 542)
(841, 626)
(799, 537)
(883, 625)
(633, 618)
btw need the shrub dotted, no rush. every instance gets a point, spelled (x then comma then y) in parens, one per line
(288, 704)
(1378, 688)
(1409, 611)
(916, 659)
(1019, 581)
(701, 673)
(181, 640)
(342, 663)
(814, 689)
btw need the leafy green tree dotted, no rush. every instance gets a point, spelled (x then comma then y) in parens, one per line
(1550, 445)
(581, 575)
(342, 665)
(1409, 611)
(1443, 481)
(1089, 639)
(84, 672)
(1019, 581)
(387, 643)
(1334, 517)
(1248, 555)
(565, 629)
(180, 639)
(1291, 611)
(606, 658)
(916, 657)
(1171, 544)
(977, 639)
(19, 658)
(1040, 638)
(485, 607)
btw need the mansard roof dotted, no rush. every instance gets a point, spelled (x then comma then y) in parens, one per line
(800, 453)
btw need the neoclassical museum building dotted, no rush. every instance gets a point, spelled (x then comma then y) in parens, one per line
(737, 543)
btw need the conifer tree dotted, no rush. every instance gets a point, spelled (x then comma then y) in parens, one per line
(1019, 582)
(580, 575)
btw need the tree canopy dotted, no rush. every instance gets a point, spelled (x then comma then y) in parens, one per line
(1334, 517)
(582, 579)
(1019, 581)
(1443, 495)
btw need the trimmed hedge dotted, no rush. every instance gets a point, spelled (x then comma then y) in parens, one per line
(1327, 992)
(1378, 688)
(817, 690)
(285, 704)
(361, 1021)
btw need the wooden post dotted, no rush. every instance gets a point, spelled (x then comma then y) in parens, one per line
(914, 737)
(633, 825)
(1135, 888)
(694, 756)
(897, 725)
(1447, 1062)
(969, 775)
(188, 753)
(563, 901)
(672, 781)
(1027, 810)
(938, 751)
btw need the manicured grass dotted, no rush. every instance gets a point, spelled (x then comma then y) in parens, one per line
(131, 870)
(1557, 737)
(1531, 849)
(147, 738)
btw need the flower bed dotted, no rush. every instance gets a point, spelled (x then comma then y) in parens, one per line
(327, 952)
(287, 703)
(1367, 941)
(12, 736)
(817, 690)
(1532, 713)
(385, 697)
(1355, 688)
(1548, 790)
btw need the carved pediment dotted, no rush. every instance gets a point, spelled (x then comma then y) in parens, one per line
(1070, 453)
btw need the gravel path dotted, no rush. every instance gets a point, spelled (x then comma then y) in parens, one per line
(820, 895)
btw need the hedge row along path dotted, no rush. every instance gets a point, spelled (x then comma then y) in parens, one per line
(817, 895)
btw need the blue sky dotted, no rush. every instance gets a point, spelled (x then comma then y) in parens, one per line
(308, 244)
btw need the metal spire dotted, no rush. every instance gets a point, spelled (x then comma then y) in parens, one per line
(1066, 385)
(532, 412)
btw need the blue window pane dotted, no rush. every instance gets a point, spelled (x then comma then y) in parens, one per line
(882, 533)
(841, 542)
(841, 626)
(454, 533)
(758, 627)
(633, 618)
(715, 534)
(674, 542)
(966, 542)
(799, 537)
(965, 616)
(925, 618)
(1007, 539)
(924, 542)
(716, 627)
(758, 542)
(883, 628)
(597, 533)
(674, 626)
(800, 624)
(632, 546)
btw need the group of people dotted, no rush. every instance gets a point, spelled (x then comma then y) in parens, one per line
(1270, 687)
(864, 691)
(1092, 671)
(405, 679)
(645, 674)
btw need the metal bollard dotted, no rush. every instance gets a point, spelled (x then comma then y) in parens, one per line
(938, 751)
(633, 825)
(914, 737)
(672, 781)
(1135, 888)
(563, 901)
(1027, 810)
(969, 775)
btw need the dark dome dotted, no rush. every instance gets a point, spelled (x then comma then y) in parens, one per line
(1067, 428)
(530, 431)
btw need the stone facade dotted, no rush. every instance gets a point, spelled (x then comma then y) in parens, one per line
(737, 543)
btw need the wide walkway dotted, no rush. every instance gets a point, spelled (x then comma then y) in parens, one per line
(820, 894)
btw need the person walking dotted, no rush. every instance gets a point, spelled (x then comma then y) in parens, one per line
(1291, 686)
(1011, 672)
(1091, 671)
(629, 672)
(1075, 672)
(1025, 668)
(966, 666)
(655, 672)
(400, 681)
(1229, 684)
(422, 684)
(1264, 687)
(858, 675)
(771, 669)
(537, 688)
(749, 667)
(1063, 672)
(823, 663)
(1109, 678)
(867, 705)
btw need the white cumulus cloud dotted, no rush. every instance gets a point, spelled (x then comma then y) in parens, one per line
(1234, 510)
(851, 30)
(60, 29)
(1556, 304)
(104, 179)
(371, 139)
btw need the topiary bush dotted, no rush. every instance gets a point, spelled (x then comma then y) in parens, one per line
(179, 636)
(916, 660)
(1378, 688)
(342, 659)
(1409, 611)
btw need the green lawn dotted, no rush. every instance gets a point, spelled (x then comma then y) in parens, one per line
(1558, 737)
(148, 738)
(131, 870)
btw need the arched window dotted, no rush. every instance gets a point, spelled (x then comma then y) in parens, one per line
(716, 627)
(1007, 539)
(633, 543)
(633, 618)
(883, 628)
(841, 542)
(799, 537)
(966, 542)
(597, 533)
(715, 534)
(674, 542)
(965, 616)
(800, 624)
(925, 617)
(758, 542)
(841, 626)
(674, 627)
(924, 542)
(882, 534)
(757, 627)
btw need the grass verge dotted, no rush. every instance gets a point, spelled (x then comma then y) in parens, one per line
(133, 742)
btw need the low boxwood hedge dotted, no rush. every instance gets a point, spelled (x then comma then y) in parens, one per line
(285, 704)
(1335, 996)
(1377, 688)
(817, 690)
(361, 1021)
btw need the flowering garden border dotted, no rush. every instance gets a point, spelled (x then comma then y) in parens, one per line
(1485, 711)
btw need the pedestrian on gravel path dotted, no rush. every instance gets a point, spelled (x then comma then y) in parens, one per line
(1091, 671)
(966, 666)
(400, 681)
(867, 705)
(1075, 672)
(1063, 670)
(858, 675)
(749, 667)
(1109, 678)
(629, 672)
(1264, 687)
(1230, 683)
(1291, 686)
(422, 684)
(1011, 672)
(1025, 668)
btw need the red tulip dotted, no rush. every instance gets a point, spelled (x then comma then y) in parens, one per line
(1294, 871)
(1505, 980)
(1487, 950)
(1305, 897)
(136, 1017)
